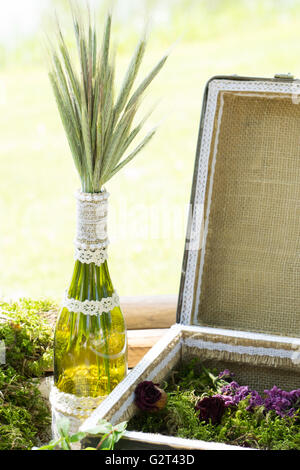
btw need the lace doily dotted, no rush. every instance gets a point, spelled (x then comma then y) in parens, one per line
(91, 232)
(74, 423)
(72, 405)
(87, 255)
(92, 197)
(91, 307)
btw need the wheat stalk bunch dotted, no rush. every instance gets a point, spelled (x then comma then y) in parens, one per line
(98, 123)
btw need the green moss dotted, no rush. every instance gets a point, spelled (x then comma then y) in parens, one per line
(255, 429)
(24, 414)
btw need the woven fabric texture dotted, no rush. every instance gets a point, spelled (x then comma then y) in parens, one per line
(251, 271)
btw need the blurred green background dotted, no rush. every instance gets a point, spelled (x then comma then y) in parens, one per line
(149, 198)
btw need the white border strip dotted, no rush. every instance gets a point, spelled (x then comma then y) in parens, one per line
(179, 443)
(208, 330)
(239, 349)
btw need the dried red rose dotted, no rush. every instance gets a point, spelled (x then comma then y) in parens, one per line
(149, 397)
(211, 409)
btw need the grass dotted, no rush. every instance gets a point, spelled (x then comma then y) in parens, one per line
(38, 208)
(24, 414)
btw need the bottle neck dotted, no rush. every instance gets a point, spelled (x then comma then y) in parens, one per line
(91, 279)
(90, 282)
(91, 240)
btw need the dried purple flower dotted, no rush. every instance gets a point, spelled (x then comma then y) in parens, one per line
(233, 393)
(282, 402)
(211, 409)
(149, 397)
(226, 374)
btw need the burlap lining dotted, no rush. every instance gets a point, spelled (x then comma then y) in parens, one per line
(251, 272)
(258, 371)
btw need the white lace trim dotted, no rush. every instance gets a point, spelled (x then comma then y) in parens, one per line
(91, 233)
(72, 405)
(91, 218)
(91, 307)
(87, 256)
(215, 86)
(92, 197)
(74, 423)
(91, 246)
(240, 349)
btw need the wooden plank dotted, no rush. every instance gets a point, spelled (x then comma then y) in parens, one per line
(140, 341)
(143, 312)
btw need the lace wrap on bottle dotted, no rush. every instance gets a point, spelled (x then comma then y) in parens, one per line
(67, 405)
(91, 232)
(91, 307)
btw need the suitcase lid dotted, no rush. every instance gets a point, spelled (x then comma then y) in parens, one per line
(241, 265)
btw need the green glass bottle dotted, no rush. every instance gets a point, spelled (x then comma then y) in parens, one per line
(90, 350)
(90, 346)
